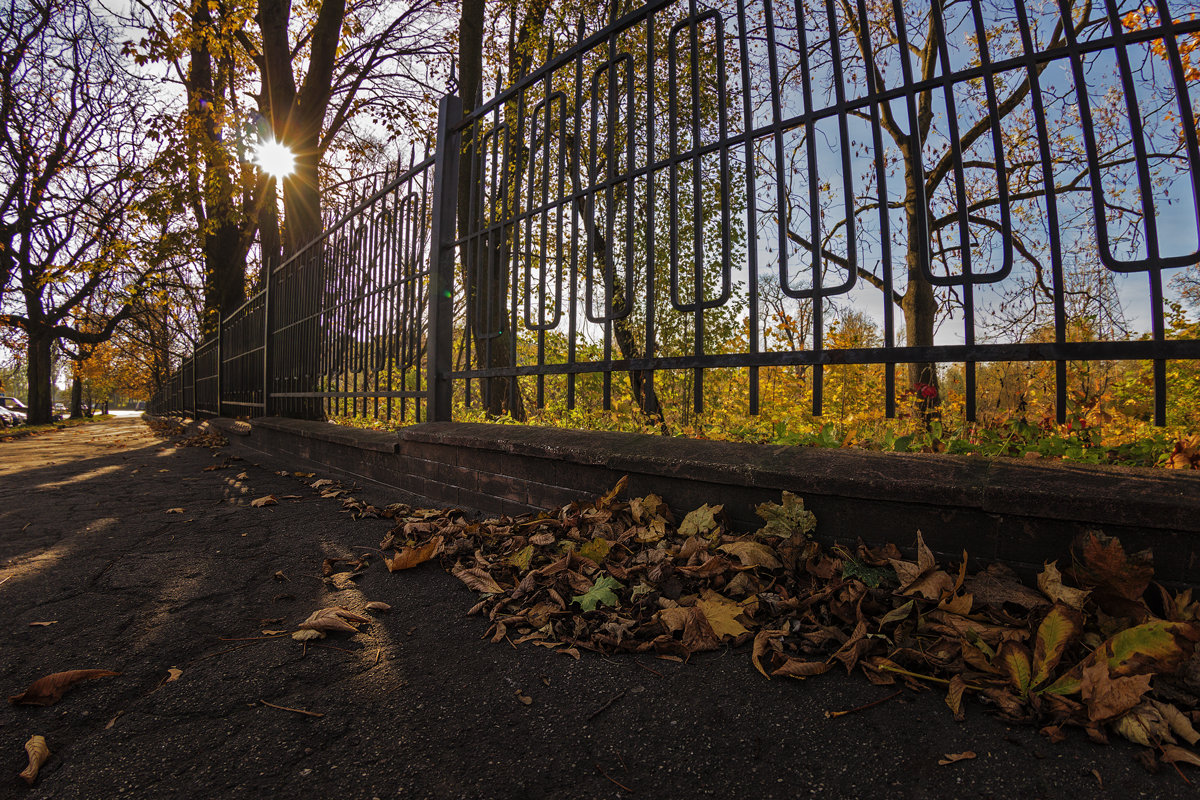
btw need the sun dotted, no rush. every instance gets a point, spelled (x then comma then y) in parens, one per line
(275, 159)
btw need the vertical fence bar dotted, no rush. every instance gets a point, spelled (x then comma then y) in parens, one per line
(266, 358)
(220, 356)
(441, 262)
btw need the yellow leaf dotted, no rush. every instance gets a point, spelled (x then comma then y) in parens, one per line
(1014, 657)
(173, 674)
(269, 500)
(1058, 629)
(752, 554)
(38, 751)
(720, 613)
(409, 557)
(595, 550)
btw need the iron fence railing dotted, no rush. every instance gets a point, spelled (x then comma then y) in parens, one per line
(749, 186)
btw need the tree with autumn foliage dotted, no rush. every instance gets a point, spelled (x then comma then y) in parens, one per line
(73, 155)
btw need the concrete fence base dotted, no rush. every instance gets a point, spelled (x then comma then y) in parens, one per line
(1020, 512)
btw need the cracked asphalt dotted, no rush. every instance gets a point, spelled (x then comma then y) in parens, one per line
(416, 704)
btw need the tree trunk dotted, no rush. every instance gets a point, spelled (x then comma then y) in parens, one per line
(76, 398)
(37, 372)
(920, 313)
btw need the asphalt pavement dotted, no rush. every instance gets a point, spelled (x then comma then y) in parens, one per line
(150, 560)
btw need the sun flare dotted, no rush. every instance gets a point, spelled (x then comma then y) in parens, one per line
(275, 159)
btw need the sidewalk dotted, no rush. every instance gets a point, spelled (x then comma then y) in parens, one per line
(416, 705)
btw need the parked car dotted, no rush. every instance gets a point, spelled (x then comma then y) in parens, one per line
(7, 420)
(20, 410)
(59, 409)
(15, 408)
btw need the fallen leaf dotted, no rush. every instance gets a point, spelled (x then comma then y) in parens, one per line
(542, 539)
(752, 554)
(595, 550)
(321, 483)
(762, 645)
(376, 605)
(1049, 581)
(333, 619)
(477, 579)
(951, 758)
(174, 511)
(173, 674)
(700, 521)
(270, 632)
(242, 476)
(1014, 658)
(303, 474)
(43, 624)
(49, 690)
(524, 698)
(268, 500)
(784, 520)
(954, 697)
(721, 613)
(1180, 725)
(279, 576)
(308, 635)
(1058, 629)
(601, 593)
(1105, 565)
(1157, 646)
(1172, 754)
(38, 752)
(800, 668)
(1107, 697)
(410, 557)
(1144, 725)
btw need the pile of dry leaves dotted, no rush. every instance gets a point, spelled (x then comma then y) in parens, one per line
(1098, 646)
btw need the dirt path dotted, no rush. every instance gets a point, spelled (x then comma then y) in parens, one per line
(415, 705)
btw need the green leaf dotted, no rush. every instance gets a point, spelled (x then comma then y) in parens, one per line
(1157, 646)
(785, 520)
(700, 521)
(601, 593)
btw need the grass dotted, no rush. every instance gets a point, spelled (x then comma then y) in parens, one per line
(8, 434)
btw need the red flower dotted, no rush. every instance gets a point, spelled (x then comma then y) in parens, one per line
(925, 390)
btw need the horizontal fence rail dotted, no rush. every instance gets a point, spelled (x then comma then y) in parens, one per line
(758, 203)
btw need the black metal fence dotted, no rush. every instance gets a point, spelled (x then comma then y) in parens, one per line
(696, 191)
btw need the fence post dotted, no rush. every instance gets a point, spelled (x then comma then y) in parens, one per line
(266, 364)
(440, 336)
(195, 397)
(220, 353)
